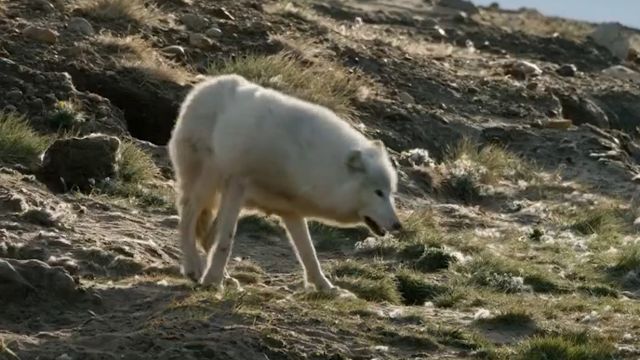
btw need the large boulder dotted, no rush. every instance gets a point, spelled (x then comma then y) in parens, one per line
(582, 110)
(80, 162)
(19, 278)
(613, 37)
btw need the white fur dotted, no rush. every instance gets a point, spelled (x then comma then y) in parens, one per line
(237, 145)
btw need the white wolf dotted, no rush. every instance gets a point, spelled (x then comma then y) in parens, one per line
(237, 145)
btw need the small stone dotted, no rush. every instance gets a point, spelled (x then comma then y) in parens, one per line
(464, 5)
(213, 32)
(568, 70)
(561, 124)
(523, 70)
(40, 217)
(222, 13)
(582, 110)
(171, 221)
(10, 109)
(406, 98)
(43, 5)
(174, 50)
(81, 26)
(623, 73)
(200, 41)
(636, 223)
(13, 95)
(13, 203)
(194, 22)
(461, 16)
(40, 34)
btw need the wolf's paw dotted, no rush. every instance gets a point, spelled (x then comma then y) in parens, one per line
(338, 292)
(233, 283)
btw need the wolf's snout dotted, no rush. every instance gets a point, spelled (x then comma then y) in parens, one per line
(396, 227)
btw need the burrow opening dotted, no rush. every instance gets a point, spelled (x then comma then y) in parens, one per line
(150, 114)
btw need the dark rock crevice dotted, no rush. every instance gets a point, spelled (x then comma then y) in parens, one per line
(150, 109)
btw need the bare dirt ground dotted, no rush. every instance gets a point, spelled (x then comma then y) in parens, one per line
(521, 242)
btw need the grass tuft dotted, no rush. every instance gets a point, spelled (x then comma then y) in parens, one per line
(19, 143)
(136, 11)
(566, 347)
(326, 84)
(136, 53)
(136, 166)
(66, 116)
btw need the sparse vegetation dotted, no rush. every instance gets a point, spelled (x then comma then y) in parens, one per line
(416, 289)
(136, 166)
(322, 83)
(136, 11)
(66, 116)
(19, 143)
(137, 53)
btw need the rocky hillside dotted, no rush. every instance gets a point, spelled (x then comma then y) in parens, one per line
(516, 138)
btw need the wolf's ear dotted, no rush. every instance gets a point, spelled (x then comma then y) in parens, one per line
(355, 162)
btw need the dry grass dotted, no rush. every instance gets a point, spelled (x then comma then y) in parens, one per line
(137, 53)
(137, 11)
(19, 143)
(537, 24)
(323, 83)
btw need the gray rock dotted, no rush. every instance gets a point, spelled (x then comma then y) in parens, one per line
(12, 203)
(568, 70)
(40, 34)
(43, 5)
(81, 26)
(581, 110)
(194, 22)
(463, 5)
(13, 96)
(613, 37)
(80, 162)
(213, 32)
(174, 50)
(200, 41)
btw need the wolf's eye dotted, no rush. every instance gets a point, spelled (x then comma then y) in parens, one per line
(379, 193)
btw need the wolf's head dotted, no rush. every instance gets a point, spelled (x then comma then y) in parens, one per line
(377, 181)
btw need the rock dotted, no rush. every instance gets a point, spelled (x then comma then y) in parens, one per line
(522, 70)
(623, 73)
(213, 32)
(12, 284)
(81, 26)
(19, 277)
(406, 98)
(41, 217)
(12, 203)
(562, 124)
(194, 22)
(13, 96)
(174, 50)
(463, 5)
(222, 13)
(43, 5)
(200, 41)
(80, 162)
(582, 110)
(612, 36)
(171, 221)
(40, 34)
(636, 224)
(569, 70)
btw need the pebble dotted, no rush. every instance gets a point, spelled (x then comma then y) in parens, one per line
(194, 22)
(568, 70)
(13, 95)
(174, 50)
(40, 34)
(561, 124)
(43, 5)
(213, 32)
(81, 25)
(200, 41)
(406, 98)
(523, 69)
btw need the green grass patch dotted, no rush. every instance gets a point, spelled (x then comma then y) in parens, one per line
(135, 165)
(19, 143)
(579, 346)
(66, 116)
